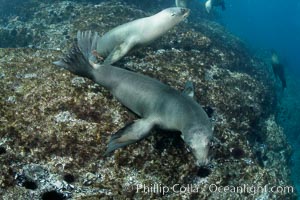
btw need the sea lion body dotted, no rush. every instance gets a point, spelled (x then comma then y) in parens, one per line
(120, 40)
(278, 69)
(156, 103)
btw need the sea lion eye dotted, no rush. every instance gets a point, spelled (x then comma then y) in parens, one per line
(188, 148)
(173, 14)
(211, 145)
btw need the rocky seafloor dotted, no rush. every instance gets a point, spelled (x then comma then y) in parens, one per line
(54, 126)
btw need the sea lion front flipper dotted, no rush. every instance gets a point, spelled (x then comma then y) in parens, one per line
(189, 89)
(118, 52)
(129, 134)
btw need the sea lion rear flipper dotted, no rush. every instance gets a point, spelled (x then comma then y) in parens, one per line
(118, 52)
(189, 89)
(129, 134)
(87, 42)
(76, 62)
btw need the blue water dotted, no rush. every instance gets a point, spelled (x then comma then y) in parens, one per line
(267, 24)
(274, 24)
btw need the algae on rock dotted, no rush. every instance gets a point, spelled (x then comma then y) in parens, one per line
(62, 123)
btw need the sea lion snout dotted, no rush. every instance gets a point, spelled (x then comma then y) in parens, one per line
(185, 12)
(202, 163)
(199, 141)
(201, 152)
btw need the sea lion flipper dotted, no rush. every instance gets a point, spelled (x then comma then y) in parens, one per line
(118, 52)
(76, 62)
(189, 89)
(129, 134)
(87, 43)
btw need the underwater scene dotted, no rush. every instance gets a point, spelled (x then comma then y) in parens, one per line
(149, 99)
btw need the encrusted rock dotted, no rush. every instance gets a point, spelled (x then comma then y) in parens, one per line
(62, 123)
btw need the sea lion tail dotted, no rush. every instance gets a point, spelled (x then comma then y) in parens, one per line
(77, 60)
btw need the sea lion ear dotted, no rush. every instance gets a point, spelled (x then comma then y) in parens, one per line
(189, 89)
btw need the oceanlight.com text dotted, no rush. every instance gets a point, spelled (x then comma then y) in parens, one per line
(193, 188)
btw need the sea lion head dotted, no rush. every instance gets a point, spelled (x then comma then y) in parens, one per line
(199, 141)
(177, 13)
(274, 58)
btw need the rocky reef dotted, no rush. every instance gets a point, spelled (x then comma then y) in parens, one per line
(54, 126)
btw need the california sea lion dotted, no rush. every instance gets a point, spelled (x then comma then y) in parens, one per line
(119, 41)
(210, 3)
(156, 103)
(278, 69)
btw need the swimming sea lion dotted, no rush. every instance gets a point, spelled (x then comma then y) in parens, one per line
(156, 103)
(210, 3)
(278, 69)
(180, 3)
(119, 41)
